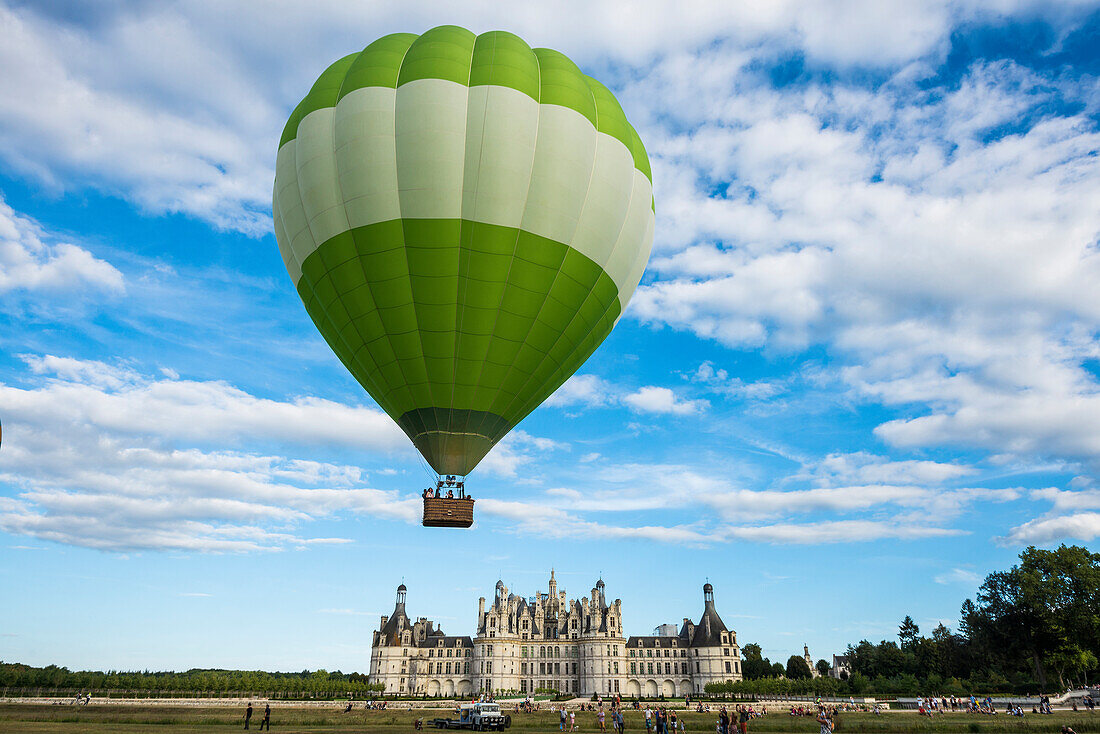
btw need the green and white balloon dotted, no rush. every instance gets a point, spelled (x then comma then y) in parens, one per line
(465, 219)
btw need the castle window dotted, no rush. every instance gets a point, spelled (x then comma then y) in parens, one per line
(649, 653)
(649, 667)
(431, 653)
(616, 667)
(696, 664)
(523, 652)
(631, 653)
(668, 668)
(725, 651)
(466, 668)
(449, 653)
(666, 653)
(633, 667)
(557, 652)
(727, 666)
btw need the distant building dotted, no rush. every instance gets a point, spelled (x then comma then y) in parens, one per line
(551, 642)
(814, 672)
(841, 668)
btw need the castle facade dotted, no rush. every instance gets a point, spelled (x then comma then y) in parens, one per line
(549, 641)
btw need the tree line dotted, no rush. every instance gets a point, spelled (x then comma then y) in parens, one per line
(1034, 627)
(316, 682)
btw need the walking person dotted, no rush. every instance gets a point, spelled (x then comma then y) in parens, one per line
(248, 715)
(563, 718)
(267, 718)
(600, 720)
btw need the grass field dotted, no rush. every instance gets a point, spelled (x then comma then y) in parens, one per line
(24, 718)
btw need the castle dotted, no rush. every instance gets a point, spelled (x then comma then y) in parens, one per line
(549, 641)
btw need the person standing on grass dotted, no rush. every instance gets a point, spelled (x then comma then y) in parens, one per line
(743, 720)
(600, 720)
(267, 718)
(248, 715)
(572, 721)
(723, 721)
(825, 721)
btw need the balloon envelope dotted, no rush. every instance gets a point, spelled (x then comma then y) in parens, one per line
(465, 219)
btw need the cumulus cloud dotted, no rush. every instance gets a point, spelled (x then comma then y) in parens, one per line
(728, 512)
(105, 457)
(591, 391)
(32, 260)
(179, 109)
(652, 399)
(863, 467)
(938, 241)
(1084, 526)
(720, 381)
(958, 576)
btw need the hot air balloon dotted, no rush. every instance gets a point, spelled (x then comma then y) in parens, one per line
(465, 219)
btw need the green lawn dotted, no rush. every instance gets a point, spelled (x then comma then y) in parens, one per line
(110, 719)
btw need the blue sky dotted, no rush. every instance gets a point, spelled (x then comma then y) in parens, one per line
(860, 373)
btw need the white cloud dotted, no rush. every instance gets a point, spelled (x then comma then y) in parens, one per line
(721, 382)
(1083, 526)
(862, 467)
(958, 576)
(104, 457)
(179, 108)
(840, 531)
(31, 259)
(652, 399)
(118, 401)
(946, 271)
(586, 390)
(515, 451)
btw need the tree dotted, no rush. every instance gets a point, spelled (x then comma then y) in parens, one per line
(1046, 606)
(797, 668)
(822, 668)
(753, 664)
(908, 631)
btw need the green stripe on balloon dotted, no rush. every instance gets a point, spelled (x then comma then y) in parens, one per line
(532, 311)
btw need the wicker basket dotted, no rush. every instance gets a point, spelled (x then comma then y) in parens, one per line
(448, 512)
